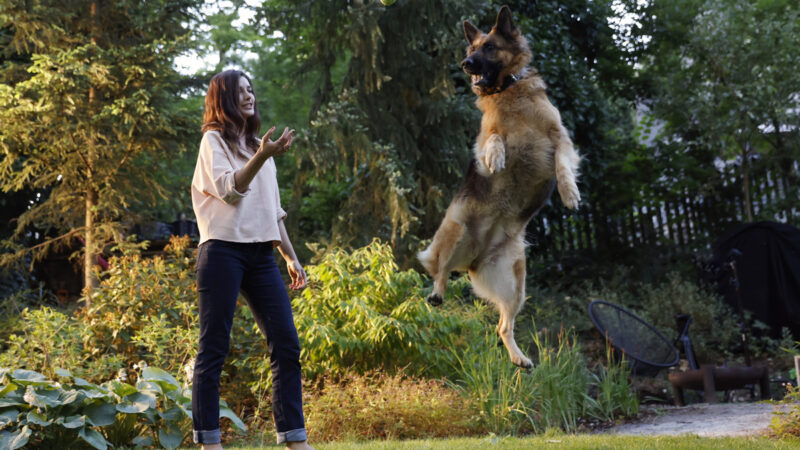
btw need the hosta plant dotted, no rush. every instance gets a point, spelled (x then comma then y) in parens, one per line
(41, 413)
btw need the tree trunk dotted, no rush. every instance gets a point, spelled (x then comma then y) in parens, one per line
(90, 282)
(748, 203)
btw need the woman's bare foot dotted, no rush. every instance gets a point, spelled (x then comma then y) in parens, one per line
(300, 445)
(212, 446)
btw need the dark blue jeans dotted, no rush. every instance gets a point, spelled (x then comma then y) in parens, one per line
(224, 269)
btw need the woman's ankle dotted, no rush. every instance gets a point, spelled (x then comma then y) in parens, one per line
(299, 445)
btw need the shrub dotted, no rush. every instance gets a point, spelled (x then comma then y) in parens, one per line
(146, 309)
(45, 414)
(616, 396)
(380, 406)
(360, 313)
(553, 394)
(786, 424)
(47, 338)
(714, 330)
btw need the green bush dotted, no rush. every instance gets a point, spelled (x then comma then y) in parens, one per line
(45, 414)
(360, 313)
(786, 424)
(47, 338)
(146, 309)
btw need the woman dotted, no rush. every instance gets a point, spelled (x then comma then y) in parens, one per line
(236, 200)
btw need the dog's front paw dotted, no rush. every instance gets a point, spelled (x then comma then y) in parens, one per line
(570, 195)
(434, 299)
(495, 156)
(521, 361)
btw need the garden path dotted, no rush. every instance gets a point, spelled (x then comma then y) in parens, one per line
(703, 419)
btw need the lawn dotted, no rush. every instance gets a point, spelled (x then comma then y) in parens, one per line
(582, 441)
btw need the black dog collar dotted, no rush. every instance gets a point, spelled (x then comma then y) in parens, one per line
(508, 81)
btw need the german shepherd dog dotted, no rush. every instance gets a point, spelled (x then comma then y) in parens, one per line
(521, 154)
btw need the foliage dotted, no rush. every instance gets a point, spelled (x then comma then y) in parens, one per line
(146, 309)
(360, 313)
(615, 396)
(554, 394)
(786, 424)
(722, 79)
(395, 136)
(380, 406)
(46, 338)
(87, 102)
(37, 411)
(398, 140)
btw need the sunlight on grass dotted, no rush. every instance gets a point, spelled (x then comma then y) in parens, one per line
(556, 440)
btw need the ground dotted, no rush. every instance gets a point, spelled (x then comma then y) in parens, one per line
(702, 419)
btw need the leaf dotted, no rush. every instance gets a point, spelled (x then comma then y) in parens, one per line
(8, 416)
(38, 419)
(94, 438)
(71, 421)
(29, 377)
(142, 441)
(173, 414)
(150, 386)
(42, 398)
(122, 389)
(137, 403)
(18, 439)
(6, 402)
(10, 387)
(224, 411)
(71, 396)
(102, 414)
(83, 383)
(63, 373)
(170, 436)
(160, 376)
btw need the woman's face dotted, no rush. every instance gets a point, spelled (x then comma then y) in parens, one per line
(247, 100)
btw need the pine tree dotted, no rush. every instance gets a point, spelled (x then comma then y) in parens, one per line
(88, 106)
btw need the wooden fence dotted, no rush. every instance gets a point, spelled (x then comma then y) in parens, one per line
(683, 220)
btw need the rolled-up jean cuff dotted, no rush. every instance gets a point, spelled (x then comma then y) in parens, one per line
(298, 435)
(207, 436)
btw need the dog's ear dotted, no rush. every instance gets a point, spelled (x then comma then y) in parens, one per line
(470, 32)
(505, 24)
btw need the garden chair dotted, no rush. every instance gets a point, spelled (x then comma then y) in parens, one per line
(649, 352)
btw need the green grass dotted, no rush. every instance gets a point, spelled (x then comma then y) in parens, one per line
(559, 441)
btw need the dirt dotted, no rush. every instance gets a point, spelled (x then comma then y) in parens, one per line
(702, 419)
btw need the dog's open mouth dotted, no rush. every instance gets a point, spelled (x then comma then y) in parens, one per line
(478, 80)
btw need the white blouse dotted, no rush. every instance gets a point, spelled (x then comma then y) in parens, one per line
(224, 213)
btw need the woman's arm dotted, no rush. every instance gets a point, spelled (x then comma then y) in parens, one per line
(294, 267)
(268, 149)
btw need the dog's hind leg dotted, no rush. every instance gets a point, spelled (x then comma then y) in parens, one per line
(566, 162)
(438, 257)
(503, 283)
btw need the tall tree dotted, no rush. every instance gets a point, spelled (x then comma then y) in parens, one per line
(387, 123)
(723, 77)
(88, 114)
(396, 125)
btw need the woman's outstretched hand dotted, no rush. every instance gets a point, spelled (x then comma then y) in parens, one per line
(274, 148)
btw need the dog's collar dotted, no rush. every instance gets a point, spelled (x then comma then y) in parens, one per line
(508, 81)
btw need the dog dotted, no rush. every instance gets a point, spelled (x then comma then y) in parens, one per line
(522, 153)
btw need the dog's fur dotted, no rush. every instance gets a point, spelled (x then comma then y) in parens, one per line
(522, 152)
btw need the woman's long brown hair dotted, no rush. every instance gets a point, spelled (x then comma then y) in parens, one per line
(222, 112)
